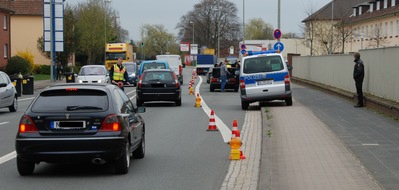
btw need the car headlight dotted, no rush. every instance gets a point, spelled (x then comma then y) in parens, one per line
(80, 80)
(100, 80)
(133, 75)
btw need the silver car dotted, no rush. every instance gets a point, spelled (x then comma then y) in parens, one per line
(8, 93)
(93, 74)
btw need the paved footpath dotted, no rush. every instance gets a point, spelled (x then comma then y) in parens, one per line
(307, 155)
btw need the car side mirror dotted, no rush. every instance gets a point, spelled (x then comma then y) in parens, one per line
(3, 85)
(140, 109)
(289, 67)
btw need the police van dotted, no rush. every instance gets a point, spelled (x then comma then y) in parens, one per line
(264, 76)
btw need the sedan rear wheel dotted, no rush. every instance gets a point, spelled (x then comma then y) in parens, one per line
(14, 106)
(139, 103)
(140, 151)
(25, 168)
(178, 102)
(122, 165)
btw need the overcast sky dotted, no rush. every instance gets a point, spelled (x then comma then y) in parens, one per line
(135, 13)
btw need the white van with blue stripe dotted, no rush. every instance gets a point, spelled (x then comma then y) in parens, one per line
(264, 76)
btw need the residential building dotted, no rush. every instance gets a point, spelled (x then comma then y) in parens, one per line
(5, 42)
(344, 26)
(374, 24)
(26, 27)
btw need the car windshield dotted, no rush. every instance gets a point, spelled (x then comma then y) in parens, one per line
(92, 71)
(263, 64)
(154, 66)
(158, 76)
(66, 100)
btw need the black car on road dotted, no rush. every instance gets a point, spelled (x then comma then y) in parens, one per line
(232, 81)
(80, 123)
(158, 85)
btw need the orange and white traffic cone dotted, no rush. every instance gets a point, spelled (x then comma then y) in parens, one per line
(212, 122)
(235, 131)
(191, 91)
(189, 86)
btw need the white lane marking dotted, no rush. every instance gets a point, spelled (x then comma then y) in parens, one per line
(19, 99)
(224, 130)
(2, 123)
(371, 144)
(8, 157)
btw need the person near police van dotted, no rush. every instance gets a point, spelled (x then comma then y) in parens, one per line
(223, 75)
(118, 74)
(358, 76)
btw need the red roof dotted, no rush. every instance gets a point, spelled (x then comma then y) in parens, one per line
(24, 7)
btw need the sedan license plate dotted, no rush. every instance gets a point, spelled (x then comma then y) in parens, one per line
(67, 125)
(265, 82)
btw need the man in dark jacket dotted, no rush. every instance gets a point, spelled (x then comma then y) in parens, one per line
(358, 76)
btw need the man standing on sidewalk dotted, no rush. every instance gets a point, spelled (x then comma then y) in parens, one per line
(358, 76)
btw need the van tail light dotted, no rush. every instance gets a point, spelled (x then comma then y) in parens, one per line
(180, 70)
(111, 123)
(26, 125)
(287, 80)
(176, 80)
(242, 84)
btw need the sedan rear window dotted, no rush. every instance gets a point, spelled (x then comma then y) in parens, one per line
(154, 66)
(263, 64)
(72, 100)
(158, 76)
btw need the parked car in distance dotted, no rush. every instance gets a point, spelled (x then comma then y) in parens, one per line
(264, 77)
(152, 64)
(93, 74)
(131, 69)
(8, 93)
(76, 122)
(175, 63)
(232, 81)
(158, 85)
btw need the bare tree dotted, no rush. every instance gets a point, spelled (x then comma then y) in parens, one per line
(377, 37)
(210, 20)
(156, 39)
(309, 30)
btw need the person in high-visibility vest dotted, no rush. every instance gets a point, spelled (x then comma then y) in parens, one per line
(118, 74)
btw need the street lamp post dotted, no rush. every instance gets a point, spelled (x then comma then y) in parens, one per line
(218, 25)
(191, 22)
(105, 28)
(159, 48)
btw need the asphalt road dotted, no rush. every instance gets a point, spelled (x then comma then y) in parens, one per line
(180, 153)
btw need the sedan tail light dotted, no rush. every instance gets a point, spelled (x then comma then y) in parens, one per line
(214, 80)
(111, 123)
(26, 125)
(140, 84)
(176, 80)
(180, 70)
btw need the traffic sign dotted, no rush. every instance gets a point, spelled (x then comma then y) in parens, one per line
(277, 34)
(243, 51)
(243, 46)
(279, 46)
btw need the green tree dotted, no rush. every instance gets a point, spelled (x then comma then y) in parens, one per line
(257, 29)
(156, 39)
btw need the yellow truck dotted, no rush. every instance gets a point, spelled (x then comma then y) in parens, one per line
(115, 50)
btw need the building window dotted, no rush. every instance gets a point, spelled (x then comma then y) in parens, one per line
(371, 31)
(391, 30)
(378, 5)
(367, 32)
(386, 29)
(397, 27)
(5, 50)
(371, 7)
(5, 22)
(385, 4)
(393, 3)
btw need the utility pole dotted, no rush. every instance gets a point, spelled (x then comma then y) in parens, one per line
(243, 21)
(218, 28)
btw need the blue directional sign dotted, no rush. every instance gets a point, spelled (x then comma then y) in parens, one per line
(279, 46)
(243, 51)
(277, 33)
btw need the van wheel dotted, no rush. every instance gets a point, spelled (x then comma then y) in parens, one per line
(25, 168)
(14, 105)
(244, 105)
(212, 89)
(288, 101)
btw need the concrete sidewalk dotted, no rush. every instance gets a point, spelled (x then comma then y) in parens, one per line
(303, 153)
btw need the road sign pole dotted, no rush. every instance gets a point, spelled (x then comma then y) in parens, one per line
(53, 67)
